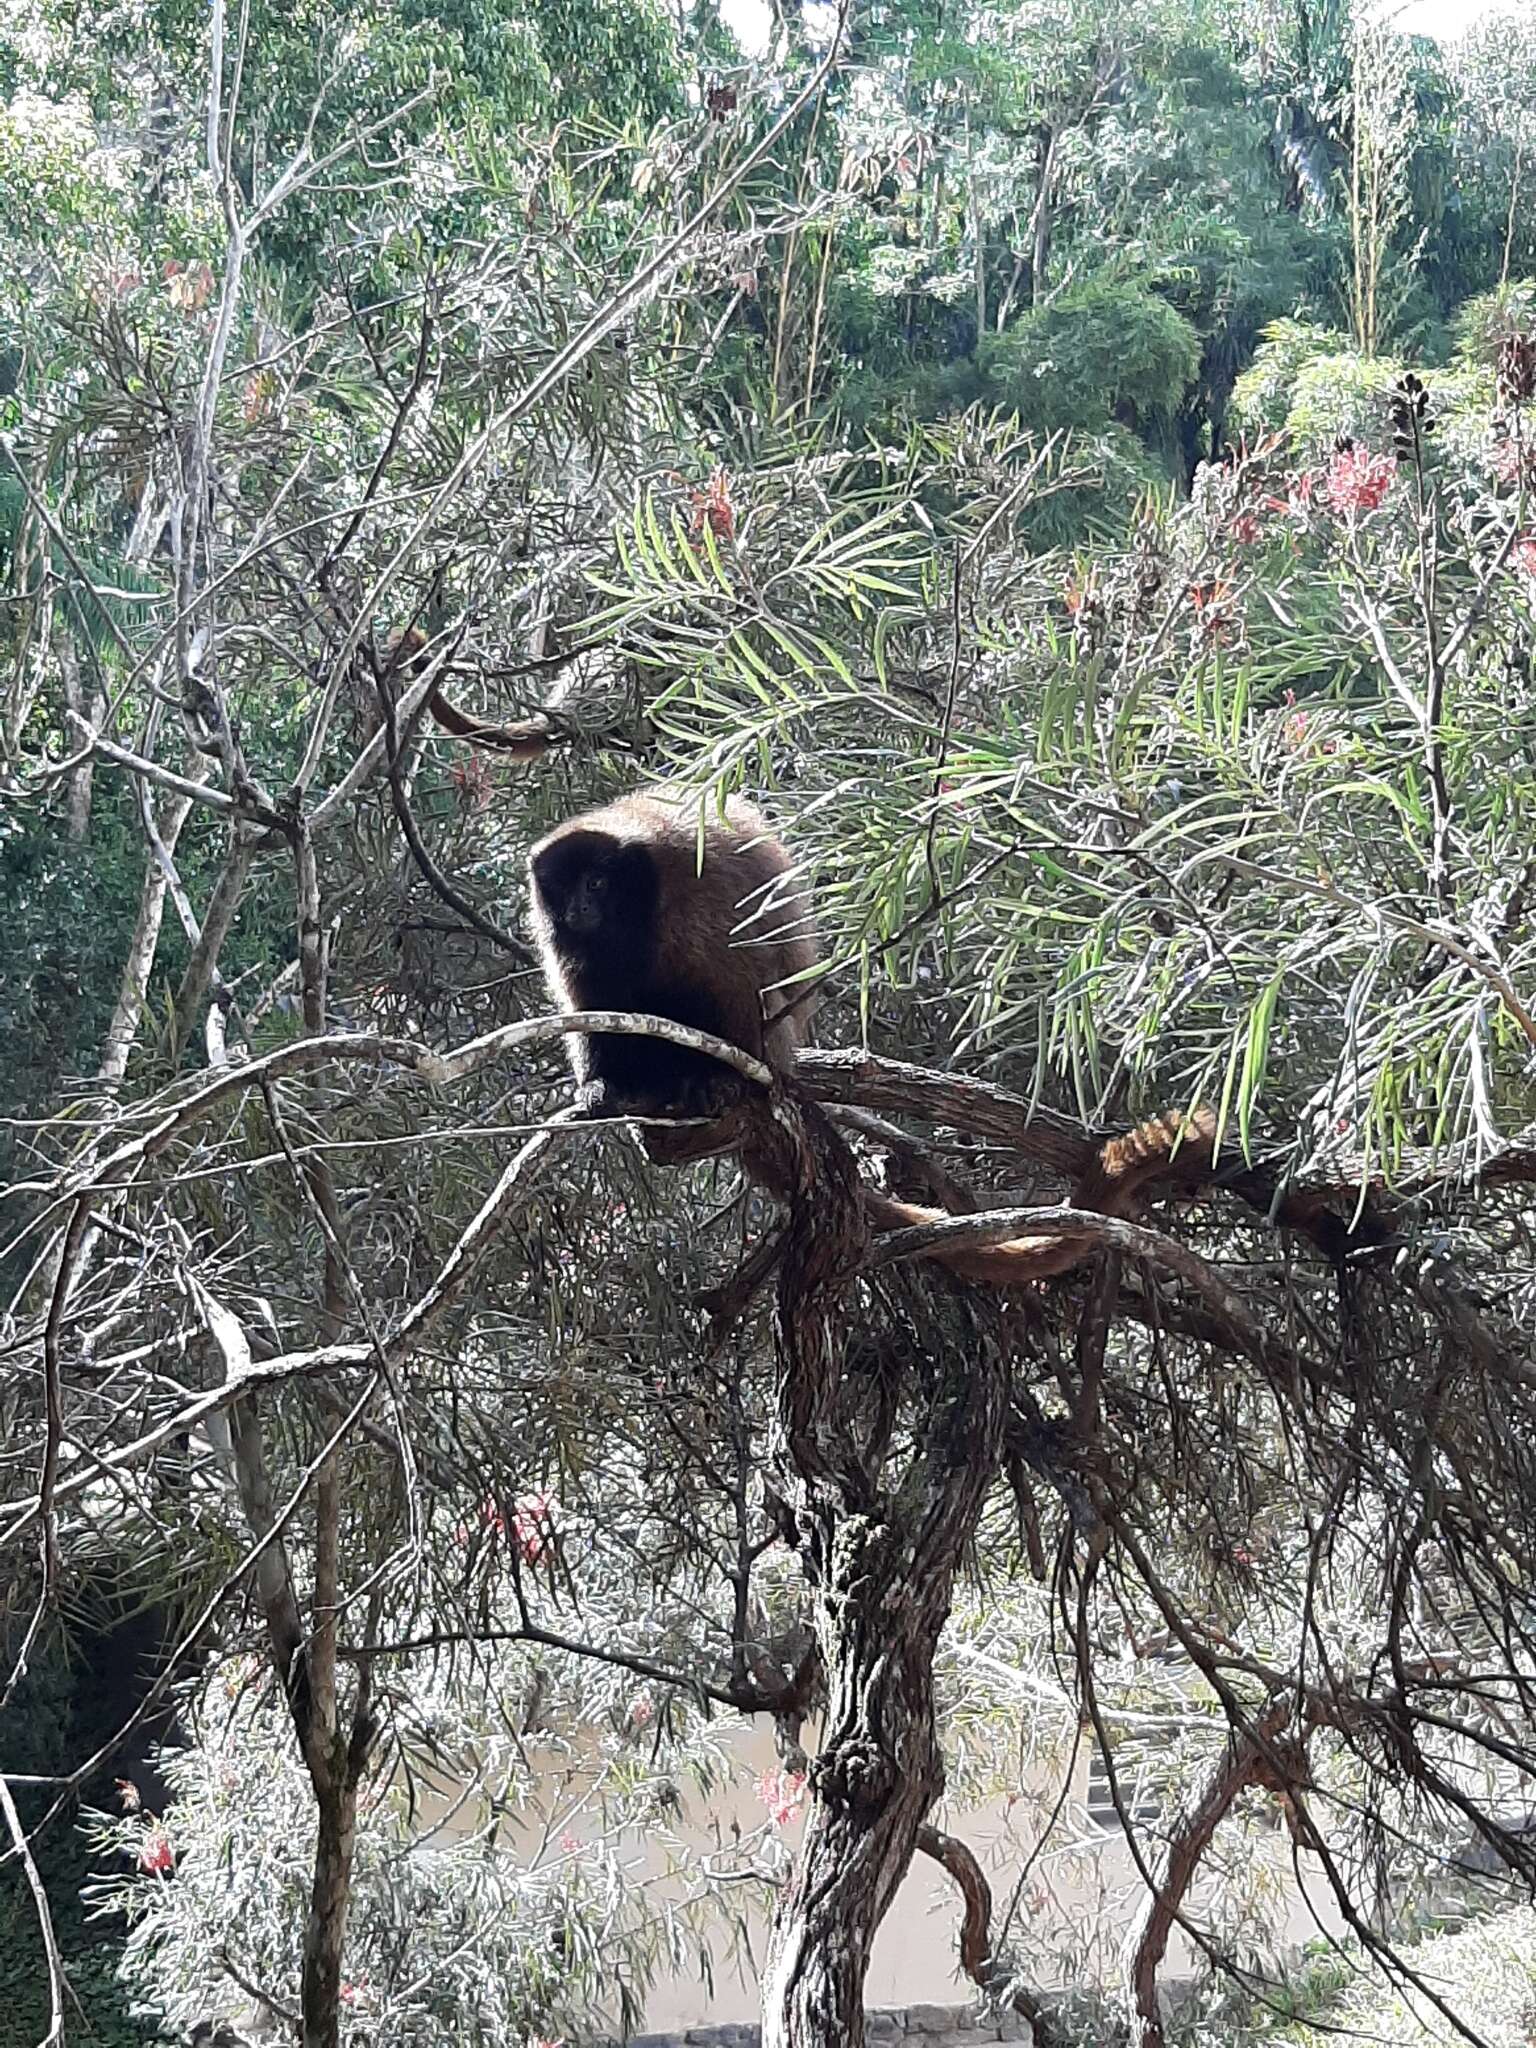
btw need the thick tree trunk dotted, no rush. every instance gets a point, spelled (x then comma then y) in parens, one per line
(326, 1927)
(881, 1540)
(878, 1772)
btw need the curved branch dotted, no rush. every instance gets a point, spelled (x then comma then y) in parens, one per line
(51, 1957)
(1133, 1240)
(976, 1956)
(487, 927)
(1249, 1761)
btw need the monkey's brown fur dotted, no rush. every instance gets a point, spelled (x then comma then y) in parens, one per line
(637, 907)
(627, 916)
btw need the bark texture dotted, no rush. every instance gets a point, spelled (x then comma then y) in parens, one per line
(882, 1538)
(325, 1929)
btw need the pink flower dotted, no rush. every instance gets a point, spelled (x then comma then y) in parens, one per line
(1358, 481)
(1525, 555)
(642, 1710)
(156, 1856)
(783, 1794)
(1508, 461)
(534, 1517)
(570, 1844)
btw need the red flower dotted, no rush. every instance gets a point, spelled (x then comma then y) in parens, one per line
(257, 395)
(187, 285)
(533, 1524)
(1245, 528)
(1358, 481)
(156, 1856)
(1300, 494)
(472, 782)
(714, 504)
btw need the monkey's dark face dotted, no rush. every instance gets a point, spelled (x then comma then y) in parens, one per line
(596, 890)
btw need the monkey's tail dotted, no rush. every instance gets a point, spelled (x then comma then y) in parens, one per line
(520, 743)
(1163, 1147)
(1167, 1146)
(525, 742)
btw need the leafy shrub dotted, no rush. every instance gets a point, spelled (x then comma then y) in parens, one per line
(1099, 352)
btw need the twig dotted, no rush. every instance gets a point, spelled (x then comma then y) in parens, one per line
(51, 1956)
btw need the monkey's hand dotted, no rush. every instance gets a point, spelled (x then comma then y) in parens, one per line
(597, 1100)
(709, 1094)
(696, 1095)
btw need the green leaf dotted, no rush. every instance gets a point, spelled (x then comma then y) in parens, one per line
(1255, 1056)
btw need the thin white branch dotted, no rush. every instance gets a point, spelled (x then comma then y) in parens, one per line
(55, 2033)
